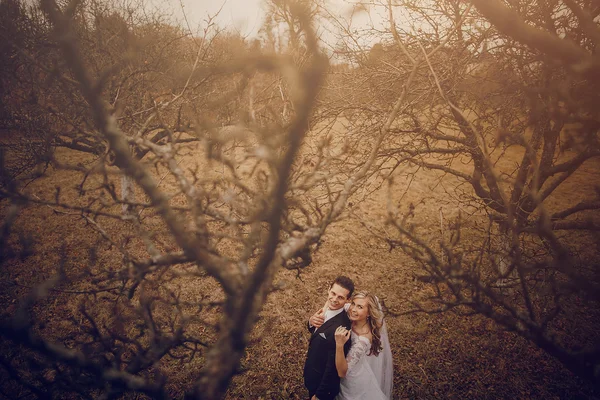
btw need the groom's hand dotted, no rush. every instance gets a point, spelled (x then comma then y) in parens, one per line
(317, 319)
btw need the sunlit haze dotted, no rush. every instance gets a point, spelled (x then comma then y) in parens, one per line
(244, 16)
(247, 16)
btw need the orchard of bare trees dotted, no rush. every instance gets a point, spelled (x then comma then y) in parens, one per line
(176, 200)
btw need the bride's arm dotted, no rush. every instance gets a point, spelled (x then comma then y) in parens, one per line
(341, 337)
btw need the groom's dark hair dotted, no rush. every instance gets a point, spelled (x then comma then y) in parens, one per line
(344, 282)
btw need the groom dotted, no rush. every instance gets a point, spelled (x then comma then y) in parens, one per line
(320, 375)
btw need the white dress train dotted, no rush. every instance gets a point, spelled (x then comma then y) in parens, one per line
(368, 377)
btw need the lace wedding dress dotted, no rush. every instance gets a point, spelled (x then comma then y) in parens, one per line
(368, 377)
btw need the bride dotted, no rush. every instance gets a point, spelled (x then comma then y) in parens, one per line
(367, 371)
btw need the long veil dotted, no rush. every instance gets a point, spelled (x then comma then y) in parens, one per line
(382, 365)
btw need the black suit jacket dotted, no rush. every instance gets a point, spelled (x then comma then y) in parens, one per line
(320, 375)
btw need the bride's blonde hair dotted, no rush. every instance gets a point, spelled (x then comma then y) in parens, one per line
(375, 320)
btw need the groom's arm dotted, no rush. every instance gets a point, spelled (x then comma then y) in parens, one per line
(311, 328)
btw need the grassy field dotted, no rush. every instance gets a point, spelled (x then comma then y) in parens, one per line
(435, 356)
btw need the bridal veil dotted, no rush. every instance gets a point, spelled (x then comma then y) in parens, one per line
(382, 365)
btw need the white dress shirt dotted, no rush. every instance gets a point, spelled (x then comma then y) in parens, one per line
(332, 313)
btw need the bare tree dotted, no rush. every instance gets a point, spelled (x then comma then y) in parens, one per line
(240, 162)
(507, 116)
(235, 174)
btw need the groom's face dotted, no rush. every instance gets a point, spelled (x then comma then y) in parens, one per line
(337, 297)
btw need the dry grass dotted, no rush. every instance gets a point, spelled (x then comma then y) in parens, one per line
(435, 356)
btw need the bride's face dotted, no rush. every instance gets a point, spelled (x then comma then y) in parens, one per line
(359, 310)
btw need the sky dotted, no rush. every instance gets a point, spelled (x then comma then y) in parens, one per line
(243, 15)
(247, 16)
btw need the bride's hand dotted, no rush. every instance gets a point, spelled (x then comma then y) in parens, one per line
(341, 335)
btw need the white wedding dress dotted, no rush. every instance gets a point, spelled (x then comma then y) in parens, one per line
(369, 377)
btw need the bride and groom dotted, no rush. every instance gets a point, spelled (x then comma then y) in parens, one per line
(349, 356)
